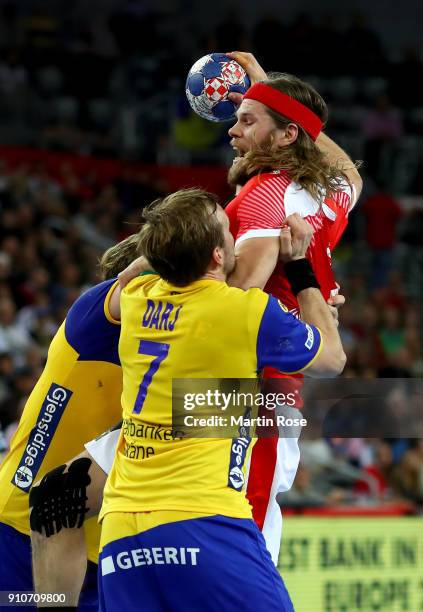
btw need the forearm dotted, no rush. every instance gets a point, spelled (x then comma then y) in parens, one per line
(334, 153)
(315, 311)
(338, 157)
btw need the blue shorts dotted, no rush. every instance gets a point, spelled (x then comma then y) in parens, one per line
(212, 564)
(16, 569)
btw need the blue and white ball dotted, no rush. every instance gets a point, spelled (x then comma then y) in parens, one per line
(209, 83)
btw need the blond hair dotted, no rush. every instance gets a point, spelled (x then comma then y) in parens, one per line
(179, 235)
(118, 257)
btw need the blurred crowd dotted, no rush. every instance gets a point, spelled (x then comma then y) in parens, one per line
(52, 233)
(112, 83)
(358, 472)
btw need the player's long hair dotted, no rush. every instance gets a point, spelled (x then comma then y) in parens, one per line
(305, 163)
(118, 257)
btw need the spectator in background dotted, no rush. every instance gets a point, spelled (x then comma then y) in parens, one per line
(411, 472)
(14, 338)
(382, 128)
(412, 266)
(392, 333)
(413, 339)
(6, 374)
(135, 189)
(10, 429)
(310, 492)
(383, 472)
(382, 214)
(346, 330)
(13, 76)
(193, 136)
(384, 122)
(360, 327)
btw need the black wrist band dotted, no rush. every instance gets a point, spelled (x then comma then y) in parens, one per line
(300, 275)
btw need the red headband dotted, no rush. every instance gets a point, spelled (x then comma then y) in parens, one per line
(287, 106)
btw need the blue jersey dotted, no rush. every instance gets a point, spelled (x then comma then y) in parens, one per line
(76, 398)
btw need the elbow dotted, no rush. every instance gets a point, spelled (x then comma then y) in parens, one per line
(339, 362)
(329, 365)
(357, 181)
(336, 363)
(359, 185)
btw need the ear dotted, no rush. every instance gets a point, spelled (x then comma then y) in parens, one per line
(287, 135)
(217, 256)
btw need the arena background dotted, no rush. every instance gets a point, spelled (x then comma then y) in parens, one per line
(94, 125)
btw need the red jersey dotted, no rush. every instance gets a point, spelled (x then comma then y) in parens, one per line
(262, 206)
(259, 210)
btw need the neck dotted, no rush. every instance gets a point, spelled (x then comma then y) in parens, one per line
(217, 275)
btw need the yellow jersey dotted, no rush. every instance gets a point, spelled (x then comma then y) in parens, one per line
(76, 398)
(204, 330)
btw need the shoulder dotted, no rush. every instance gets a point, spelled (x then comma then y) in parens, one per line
(269, 186)
(249, 299)
(263, 203)
(142, 283)
(299, 200)
(256, 301)
(92, 299)
(90, 329)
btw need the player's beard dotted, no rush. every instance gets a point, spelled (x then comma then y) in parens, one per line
(237, 173)
(257, 159)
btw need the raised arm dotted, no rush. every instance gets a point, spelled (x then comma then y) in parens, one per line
(338, 157)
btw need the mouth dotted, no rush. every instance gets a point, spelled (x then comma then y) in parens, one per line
(238, 152)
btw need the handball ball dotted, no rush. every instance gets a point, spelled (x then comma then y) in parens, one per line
(211, 79)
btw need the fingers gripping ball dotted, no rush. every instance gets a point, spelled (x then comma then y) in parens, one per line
(210, 80)
(59, 501)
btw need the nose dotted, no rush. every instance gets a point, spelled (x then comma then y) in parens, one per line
(234, 131)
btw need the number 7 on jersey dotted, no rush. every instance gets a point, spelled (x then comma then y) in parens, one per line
(160, 351)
